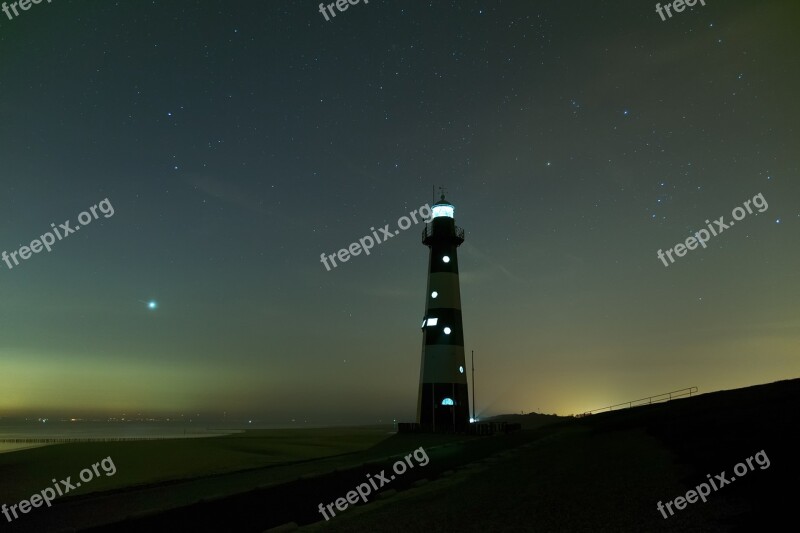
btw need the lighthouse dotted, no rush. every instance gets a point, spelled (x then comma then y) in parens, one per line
(443, 401)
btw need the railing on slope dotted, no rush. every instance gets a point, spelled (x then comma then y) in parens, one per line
(667, 396)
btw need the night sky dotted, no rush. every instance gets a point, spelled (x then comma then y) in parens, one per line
(237, 141)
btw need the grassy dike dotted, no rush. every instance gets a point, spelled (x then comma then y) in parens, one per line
(28, 471)
(607, 472)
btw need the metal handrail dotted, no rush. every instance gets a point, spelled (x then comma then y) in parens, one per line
(669, 396)
(427, 231)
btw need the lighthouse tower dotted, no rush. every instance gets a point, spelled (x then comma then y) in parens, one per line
(443, 401)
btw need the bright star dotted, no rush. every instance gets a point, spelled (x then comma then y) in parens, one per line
(152, 304)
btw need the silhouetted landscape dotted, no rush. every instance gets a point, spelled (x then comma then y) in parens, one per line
(567, 474)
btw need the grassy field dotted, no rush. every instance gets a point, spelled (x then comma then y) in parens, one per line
(25, 472)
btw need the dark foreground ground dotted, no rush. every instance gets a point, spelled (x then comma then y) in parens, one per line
(600, 473)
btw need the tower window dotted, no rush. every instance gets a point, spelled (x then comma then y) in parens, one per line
(423, 323)
(447, 331)
(434, 294)
(433, 321)
(448, 401)
(446, 259)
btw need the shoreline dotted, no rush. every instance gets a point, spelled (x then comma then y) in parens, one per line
(11, 449)
(25, 442)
